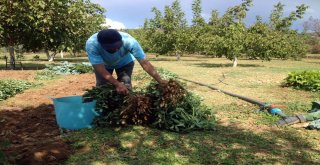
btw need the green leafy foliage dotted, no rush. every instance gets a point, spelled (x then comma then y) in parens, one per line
(83, 67)
(166, 31)
(264, 43)
(179, 110)
(306, 80)
(55, 25)
(280, 23)
(108, 104)
(84, 19)
(9, 87)
(45, 75)
(197, 9)
(168, 107)
(65, 68)
(226, 35)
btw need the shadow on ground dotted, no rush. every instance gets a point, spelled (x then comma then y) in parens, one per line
(226, 145)
(25, 66)
(314, 62)
(31, 136)
(173, 59)
(207, 65)
(73, 60)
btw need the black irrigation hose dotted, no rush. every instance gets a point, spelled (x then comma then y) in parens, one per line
(250, 100)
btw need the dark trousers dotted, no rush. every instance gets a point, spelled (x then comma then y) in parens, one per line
(124, 75)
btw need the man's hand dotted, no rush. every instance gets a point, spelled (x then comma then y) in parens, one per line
(100, 69)
(122, 89)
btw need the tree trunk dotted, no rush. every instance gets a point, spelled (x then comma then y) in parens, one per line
(61, 54)
(235, 62)
(11, 39)
(48, 54)
(12, 58)
(50, 57)
(178, 56)
(74, 53)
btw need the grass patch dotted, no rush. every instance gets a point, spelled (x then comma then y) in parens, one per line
(226, 145)
(25, 66)
(243, 136)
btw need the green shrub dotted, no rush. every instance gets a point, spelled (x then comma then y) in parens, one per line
(45, 75)
(65, 68)
(36, 58)
(9, 88)
(306, 80)
(83, 68)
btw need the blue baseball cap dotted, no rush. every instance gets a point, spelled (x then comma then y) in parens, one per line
(109, 39)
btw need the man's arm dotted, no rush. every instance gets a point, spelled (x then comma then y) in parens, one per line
(100, 69)
(147, 66)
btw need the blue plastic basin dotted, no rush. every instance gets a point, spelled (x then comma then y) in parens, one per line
(72, 113)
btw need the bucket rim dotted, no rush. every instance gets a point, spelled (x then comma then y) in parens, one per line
(57, 99)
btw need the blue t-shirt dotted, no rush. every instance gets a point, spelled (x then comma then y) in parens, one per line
(129, 51)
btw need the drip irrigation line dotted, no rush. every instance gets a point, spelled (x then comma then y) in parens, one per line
(250, 100)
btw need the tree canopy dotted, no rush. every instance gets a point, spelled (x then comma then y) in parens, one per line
(225, 35)
(50, 25)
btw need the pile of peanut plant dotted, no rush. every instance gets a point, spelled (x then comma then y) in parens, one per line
(179, 110)
(170, 107)
(108, 104)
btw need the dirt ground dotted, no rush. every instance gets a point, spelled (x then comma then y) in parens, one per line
(28, 123)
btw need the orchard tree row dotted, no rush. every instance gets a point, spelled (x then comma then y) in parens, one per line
(223, 35)
(50, 25)
(311, 29)
(65, 25)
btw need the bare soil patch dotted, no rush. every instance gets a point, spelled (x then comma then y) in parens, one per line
(28, 122)
(33, 135)
(16, 74)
